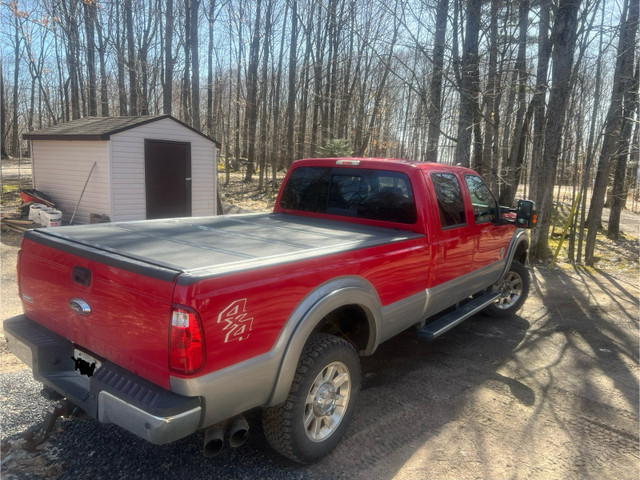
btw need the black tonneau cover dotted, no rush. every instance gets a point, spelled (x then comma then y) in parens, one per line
(208, 246)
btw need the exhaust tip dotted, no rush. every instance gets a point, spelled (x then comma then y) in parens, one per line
(213, 441)
(238, 431)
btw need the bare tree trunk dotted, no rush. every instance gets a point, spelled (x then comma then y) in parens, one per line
(301, 143)
(469, 84)
(104, 88)
(265, 89)
(564, 35)
(492, 97)
(514, 162)
(210, 53)
(3, 115)
(252, 93)
(167, 91)
(611, 141)
(317, 80)
(435, 86)
(194, 5)
(276, 155)
(133, 79)
(590, 142)
(291, 102)
(90, 12)
(120, 43)
(380, 90)
(619, 186)
(15, 139)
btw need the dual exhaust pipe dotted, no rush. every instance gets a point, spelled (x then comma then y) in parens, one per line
(237, 429)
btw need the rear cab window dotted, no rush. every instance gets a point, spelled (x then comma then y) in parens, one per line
(368, 194)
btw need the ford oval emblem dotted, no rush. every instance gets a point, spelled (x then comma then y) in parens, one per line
(79, 306)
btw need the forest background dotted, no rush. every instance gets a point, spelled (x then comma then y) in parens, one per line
(532, 93)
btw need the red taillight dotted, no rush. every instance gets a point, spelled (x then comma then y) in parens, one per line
(186, 347)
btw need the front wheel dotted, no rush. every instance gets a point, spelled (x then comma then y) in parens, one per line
(320, 404)
(514, 289)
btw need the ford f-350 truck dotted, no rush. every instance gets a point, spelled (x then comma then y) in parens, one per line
(167, 327)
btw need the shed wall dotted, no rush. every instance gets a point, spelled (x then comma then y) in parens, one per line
(61, 168)
(128, 175)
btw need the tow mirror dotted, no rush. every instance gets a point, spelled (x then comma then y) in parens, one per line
(526, 214)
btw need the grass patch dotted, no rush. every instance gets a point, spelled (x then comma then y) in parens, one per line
(620, 255)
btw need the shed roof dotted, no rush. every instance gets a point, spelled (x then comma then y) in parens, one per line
(101, 128)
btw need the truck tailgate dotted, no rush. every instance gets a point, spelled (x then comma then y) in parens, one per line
(88, 296)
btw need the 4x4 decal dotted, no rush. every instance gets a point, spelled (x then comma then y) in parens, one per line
(237, 325)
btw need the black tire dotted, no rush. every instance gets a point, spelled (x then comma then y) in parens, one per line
(328, 373)
(515, 289)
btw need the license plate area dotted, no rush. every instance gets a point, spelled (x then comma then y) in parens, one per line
(84, 363)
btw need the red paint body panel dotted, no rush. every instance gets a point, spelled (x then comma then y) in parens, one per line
(273, 293)
(130, 316)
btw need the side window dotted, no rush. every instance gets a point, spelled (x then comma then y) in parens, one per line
(484, 205)
(450, 203)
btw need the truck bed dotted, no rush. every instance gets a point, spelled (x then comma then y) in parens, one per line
(209, 246)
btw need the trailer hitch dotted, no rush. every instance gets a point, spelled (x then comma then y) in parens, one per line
(36, 437)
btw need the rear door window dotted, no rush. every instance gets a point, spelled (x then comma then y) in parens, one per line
(450, 202)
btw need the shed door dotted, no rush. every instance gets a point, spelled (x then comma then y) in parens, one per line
(168, 178)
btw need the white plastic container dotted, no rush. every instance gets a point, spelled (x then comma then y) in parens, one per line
(55, 219)
(51, 217)
(35, 212)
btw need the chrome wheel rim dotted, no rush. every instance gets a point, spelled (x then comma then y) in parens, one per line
(510, 291)
(327, 400)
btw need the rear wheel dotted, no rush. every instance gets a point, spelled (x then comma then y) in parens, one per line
(514, 289)
(320, 404)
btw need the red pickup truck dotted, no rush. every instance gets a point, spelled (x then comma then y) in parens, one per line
(167, 327)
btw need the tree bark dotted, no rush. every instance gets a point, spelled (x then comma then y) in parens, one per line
(511, 174)
(210, 77)
(133, 79)
(564, 36)
(611, 141)
(619, 185)
(194, 5)
(586, 175)
(540, 93)
(469, 84)
(90, 12)
(252, 93)
(435, 86)
(167, 91)
(291, 101)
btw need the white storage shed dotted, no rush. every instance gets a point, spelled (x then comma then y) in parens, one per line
(134, 168)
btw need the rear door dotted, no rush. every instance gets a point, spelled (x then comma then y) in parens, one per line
(455, 247)
(167, 179)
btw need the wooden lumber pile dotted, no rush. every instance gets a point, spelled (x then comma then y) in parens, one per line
(19, 226)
